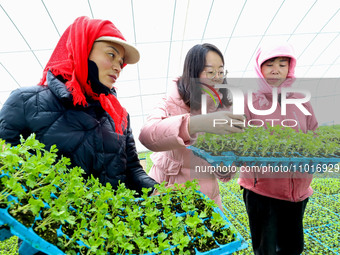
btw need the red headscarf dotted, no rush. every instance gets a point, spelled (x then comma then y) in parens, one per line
(69, 59)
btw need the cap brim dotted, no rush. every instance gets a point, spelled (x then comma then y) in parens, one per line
(131, 53)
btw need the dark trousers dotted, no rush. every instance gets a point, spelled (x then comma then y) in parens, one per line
(276, 226)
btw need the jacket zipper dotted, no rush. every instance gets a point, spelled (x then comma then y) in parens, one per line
(255, 179)
(292, 181)
(299, 126)
(297, 120)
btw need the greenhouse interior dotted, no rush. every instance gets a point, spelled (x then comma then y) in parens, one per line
(49, 207)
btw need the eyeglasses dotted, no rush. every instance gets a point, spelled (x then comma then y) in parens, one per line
(211, 74)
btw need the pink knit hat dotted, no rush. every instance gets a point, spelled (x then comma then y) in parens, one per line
(273, 50)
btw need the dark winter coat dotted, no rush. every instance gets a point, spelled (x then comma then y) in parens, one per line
(84, 134)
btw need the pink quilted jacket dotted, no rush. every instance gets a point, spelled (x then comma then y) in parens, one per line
(290, 186)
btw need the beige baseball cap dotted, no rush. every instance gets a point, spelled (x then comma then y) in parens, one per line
(131, 53)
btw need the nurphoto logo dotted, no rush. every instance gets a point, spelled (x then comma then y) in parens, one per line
(239, 102)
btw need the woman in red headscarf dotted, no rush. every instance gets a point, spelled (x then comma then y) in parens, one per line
(75, 105)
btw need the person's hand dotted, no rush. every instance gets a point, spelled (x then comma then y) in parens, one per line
(221, 122)
(155, 192)
(3, 148)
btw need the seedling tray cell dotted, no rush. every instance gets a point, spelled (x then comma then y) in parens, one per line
(32, 242)
(228, 248)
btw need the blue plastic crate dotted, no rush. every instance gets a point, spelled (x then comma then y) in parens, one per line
(33, 243)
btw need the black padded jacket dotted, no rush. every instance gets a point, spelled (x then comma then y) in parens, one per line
(86, 135)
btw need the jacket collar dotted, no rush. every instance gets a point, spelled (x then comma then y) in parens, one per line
(58, 88)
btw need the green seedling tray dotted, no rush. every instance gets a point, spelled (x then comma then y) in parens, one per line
(301, 164)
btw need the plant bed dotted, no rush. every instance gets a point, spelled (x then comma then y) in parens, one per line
(86, 217)
(318, 218)
(280, 148)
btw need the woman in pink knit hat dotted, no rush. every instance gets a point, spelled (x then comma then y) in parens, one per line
(276, 202)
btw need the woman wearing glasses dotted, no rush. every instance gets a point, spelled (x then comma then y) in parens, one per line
(176, 121)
